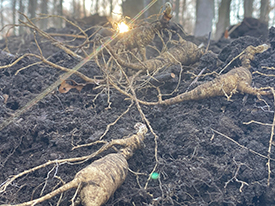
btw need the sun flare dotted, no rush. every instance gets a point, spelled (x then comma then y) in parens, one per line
(122, 27)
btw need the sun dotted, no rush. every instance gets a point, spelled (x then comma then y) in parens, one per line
(122, 27)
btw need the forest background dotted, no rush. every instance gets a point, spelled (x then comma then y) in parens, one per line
(198, 17)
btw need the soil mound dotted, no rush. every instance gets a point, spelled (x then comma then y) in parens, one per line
(207, 153)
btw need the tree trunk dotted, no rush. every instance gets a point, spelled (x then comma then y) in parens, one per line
(96, 7)
(264, 12)
(73, 3)
(60, 8)
(84, 8)
(103, 5)
(224, 18)
(32, 7)
(59, 11)
(44, 10)
(177, 10)
(204, 17)
(21, 9)
(133, 7)
(1, 14)
(183, 12)
(77, 8)
(14, 14)
(248, 8)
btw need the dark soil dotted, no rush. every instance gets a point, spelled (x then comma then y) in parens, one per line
(196, 165)
(250, 27)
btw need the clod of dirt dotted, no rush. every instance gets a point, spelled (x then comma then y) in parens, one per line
(250, 27)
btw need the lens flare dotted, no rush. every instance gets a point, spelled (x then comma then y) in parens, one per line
(122, 27)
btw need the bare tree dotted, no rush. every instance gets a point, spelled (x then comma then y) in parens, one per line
(1, 13)
(248, 8)
(132, 7)
(183, 9)
(14, 14)
(103, 5)
(21, 10)
(84, 8)
(60, 7)
(97, 6)
(77, 9)
(58, 11)
(44, 10)
(204, 17)
(264, 11)
(224, 18)
(32, 7)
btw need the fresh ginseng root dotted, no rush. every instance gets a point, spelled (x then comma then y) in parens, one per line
(184, 52)
(98, 181)
(236, 80)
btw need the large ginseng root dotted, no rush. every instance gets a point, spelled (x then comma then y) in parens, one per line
(236, 80)
(184, 52)
(99, 180)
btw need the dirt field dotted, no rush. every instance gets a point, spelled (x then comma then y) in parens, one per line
(206, 155)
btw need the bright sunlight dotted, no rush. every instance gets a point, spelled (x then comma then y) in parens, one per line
(122, 27)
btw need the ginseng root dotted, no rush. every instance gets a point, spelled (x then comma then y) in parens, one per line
(141, 36)
(99, 180)
(236, 80)
(184, 52)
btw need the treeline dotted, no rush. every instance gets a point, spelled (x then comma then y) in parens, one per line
(197, 16)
